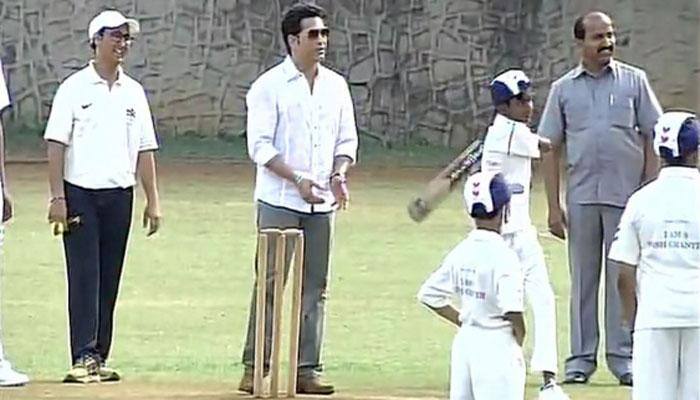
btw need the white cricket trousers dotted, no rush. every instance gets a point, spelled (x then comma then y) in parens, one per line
(666, 364)
(487, 364)
(540, 296)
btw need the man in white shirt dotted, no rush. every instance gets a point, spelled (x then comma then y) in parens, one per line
(8, 376)
(302, 137)
(487, 360)
(99, 136)
(509, 148)
(658, 247)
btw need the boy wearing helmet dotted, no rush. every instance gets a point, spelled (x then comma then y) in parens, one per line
(484, 273)
(658, 246)
(509, 148)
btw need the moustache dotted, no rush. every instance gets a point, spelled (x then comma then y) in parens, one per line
(602, 49)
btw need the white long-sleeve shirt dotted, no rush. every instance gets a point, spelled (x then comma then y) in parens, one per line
(484, 273)
(509, 148)
(307, 130)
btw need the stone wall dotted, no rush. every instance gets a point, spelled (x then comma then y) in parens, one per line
(418, 69)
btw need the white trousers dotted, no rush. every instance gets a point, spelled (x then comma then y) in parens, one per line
(666, 364)
(487, 364)
(540, 297)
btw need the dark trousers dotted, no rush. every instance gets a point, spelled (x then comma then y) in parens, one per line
(95, 248)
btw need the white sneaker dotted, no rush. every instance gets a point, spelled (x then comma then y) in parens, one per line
(552, 391)
(10, 377)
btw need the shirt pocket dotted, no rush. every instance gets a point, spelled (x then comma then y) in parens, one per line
(622, 112)
(577, 113)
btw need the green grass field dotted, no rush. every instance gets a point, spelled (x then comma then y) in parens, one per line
(185, 292)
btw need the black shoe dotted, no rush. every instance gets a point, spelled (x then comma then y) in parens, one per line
(575, 378)
(626, 379)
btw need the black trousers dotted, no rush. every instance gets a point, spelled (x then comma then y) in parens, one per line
(95, 248)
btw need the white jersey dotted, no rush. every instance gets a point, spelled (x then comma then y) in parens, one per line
(486, 276)
(660, 233)
(509, 148)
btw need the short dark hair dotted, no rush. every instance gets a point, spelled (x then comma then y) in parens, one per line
(291, 22)
(678, 162)
(100, 34)
(580, 28)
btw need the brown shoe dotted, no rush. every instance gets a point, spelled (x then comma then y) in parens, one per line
(246, 384)
(313, 385)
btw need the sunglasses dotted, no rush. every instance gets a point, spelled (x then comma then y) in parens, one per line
(315, 33)
(118, 36)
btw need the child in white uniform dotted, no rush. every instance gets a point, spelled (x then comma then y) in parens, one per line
(509, 148)
(487, 361)
(658, 245)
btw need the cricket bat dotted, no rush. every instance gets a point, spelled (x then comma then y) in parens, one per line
(443, 183)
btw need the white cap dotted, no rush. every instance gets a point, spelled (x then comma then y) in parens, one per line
(111, 19)
(508, 85)
(488, 190)
(672, 133)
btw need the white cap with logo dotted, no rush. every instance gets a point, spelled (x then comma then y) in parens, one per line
(111, 19)
(676, 133)
(485, 192)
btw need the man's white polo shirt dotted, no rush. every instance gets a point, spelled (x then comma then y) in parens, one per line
(660, 233)
(103, 129)
(485, 273)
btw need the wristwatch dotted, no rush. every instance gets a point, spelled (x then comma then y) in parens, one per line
(339, 175)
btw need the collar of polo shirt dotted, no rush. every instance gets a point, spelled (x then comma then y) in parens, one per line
(96, 78)
(580, 70)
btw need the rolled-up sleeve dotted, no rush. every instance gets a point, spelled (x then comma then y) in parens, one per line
(552, 121)
(648, 107)
(438, 289)
(346, 144)
(261, 124)
(59, 128)
(626, 247)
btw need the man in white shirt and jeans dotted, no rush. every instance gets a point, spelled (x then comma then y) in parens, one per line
(8, 376)
(302, 137)
(99, 136)
(658, 246)
(487, 360)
